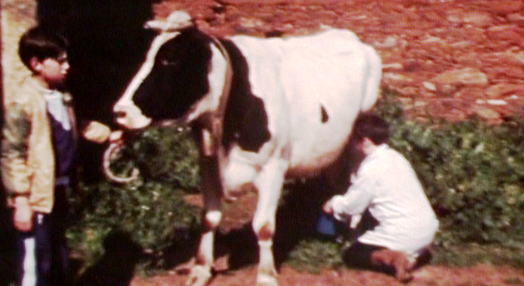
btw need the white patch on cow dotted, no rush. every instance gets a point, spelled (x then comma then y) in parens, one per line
(129, 115)
(213, 218)
(217, 73)
(243, 167)
(240, 171)
(267, 273)
(297, 77)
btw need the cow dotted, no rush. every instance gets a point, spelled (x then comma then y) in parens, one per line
(261, 111)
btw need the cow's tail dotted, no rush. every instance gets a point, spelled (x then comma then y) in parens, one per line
(374, 75)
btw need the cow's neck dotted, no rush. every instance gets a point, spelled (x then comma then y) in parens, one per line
(245, 120)
(239, 117)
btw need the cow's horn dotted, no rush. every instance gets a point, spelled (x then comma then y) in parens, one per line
(177, 20)
(110, 153)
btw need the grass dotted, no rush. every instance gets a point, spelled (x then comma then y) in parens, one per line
(315, 255)
(514, 281)
(465, 255)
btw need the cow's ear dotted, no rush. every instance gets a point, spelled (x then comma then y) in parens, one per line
(155, 25)
(176, 21)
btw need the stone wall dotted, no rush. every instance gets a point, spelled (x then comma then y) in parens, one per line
(17, 16)
(447, 58)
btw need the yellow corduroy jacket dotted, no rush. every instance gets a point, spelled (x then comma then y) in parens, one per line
(27, 156)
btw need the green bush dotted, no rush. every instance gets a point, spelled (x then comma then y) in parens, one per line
(151, 209)
(473, 173)
(314, 255)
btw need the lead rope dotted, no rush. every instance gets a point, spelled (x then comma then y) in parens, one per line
(217, 119)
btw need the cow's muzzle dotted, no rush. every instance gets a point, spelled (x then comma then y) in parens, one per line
(130, 116)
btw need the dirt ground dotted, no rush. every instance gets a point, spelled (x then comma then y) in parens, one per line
(238, 216)
(481, 275)
(446, 58)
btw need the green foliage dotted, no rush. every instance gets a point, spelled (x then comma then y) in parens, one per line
(473, 173)
(151, 209)
(167, 155)
(465, 255)
(315, 255)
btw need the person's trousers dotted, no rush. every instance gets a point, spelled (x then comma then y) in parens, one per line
(43, 256)
(358, 255)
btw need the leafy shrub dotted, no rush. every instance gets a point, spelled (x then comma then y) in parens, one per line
(468, 254)
(473, 173)
(314, 255)
(152, 209)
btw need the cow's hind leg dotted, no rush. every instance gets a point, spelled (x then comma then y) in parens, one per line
(211, 191)
(269, 184)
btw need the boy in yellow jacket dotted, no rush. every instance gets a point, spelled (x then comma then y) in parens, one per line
(38, 158)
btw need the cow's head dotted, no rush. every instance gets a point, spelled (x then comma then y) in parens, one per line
(173, 77)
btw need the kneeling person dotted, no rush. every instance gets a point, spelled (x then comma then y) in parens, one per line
(387, 186)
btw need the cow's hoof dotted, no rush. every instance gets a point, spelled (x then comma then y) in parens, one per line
(266, 280)
(199, 276)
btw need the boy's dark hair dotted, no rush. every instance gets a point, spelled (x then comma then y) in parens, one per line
(372, 126)
(40, 43)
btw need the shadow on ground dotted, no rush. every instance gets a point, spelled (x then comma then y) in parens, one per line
(297, 217)
(117, 266)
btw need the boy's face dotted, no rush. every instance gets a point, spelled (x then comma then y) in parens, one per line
(52, 71)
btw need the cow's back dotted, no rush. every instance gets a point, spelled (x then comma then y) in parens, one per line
(313, 88)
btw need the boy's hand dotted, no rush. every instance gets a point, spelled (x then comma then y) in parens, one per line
(23, 215)
(327, 207)
(96, 132)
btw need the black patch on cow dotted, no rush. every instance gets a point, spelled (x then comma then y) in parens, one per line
(323, 114)
(246, 121)
(178, 78)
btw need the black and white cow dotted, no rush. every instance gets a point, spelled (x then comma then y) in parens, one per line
(262, 110)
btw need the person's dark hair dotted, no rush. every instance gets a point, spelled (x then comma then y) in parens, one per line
(40, 43)
(372, 126)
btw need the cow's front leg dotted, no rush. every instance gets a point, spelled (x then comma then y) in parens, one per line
(211, 192)
(269, 184)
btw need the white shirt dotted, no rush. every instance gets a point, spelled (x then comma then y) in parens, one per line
(387, 185)
(56, 107)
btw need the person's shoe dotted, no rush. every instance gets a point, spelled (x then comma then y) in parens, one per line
(402, 267)
(396, 260)
(424, 257)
